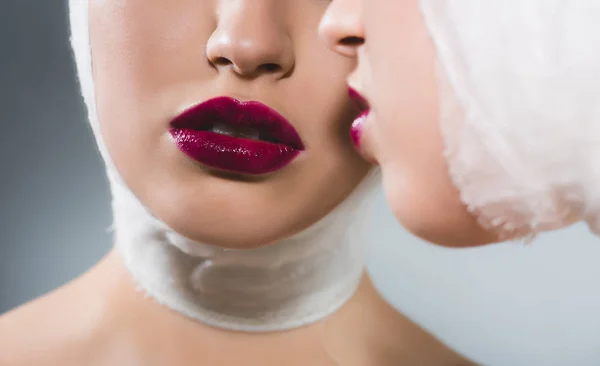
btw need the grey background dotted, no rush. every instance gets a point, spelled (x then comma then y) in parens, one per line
(502, 305)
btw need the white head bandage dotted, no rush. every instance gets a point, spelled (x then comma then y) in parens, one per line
(287, 284)
(520, 93)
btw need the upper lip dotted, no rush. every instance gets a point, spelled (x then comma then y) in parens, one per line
(358, 100)
(240, 114)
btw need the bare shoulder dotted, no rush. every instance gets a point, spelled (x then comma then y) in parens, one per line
(449, 357)
(45, 331)
(432, 351)
(26, 333)
(394, 339)
(416, 346)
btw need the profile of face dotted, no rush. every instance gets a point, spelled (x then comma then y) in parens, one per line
(228, 120)
(397, 76)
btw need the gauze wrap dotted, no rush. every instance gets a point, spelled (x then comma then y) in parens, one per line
(284, 285)
(520, 109)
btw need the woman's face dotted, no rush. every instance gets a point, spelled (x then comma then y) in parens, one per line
(396, 73)
(228, 173)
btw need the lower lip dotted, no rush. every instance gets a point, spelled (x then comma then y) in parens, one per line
(357, 128)
(233, 154)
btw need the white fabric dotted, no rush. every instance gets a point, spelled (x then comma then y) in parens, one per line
(520, 84)
(285, 285)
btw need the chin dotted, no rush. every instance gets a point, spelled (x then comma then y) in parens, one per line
(446, 229)
(226, 227)
(436, 215)
(232, 237)
(234, 215)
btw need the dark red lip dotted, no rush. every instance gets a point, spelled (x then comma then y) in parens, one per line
(358, 100)
(357, 126)
(278, 143)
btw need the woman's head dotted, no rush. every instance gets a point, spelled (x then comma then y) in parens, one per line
(153, 60)
(480, 113)
(396, 72)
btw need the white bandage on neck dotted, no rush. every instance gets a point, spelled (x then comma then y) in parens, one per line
(520, 93)
(285, 285)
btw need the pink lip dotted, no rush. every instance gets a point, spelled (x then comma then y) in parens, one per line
(279, 141)
(363, 106)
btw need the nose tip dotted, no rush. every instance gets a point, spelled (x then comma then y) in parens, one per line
(248, 59)
(341, 28)
(251, 51)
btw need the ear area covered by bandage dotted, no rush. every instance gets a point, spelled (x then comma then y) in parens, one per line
(520, 109)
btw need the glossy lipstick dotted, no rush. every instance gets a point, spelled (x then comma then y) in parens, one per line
(240, 137)
(363, 106)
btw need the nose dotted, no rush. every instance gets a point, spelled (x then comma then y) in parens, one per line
(341, 27)
(251, 40)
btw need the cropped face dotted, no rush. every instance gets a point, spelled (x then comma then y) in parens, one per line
(397, 76)
(229, 120)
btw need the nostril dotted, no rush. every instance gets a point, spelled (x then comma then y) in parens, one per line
(221, 61)
(352, 41)
(269, 67)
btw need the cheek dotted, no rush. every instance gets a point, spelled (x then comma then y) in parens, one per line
(407, 109)
(402, 79)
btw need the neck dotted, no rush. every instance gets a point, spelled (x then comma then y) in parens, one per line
(288, 284)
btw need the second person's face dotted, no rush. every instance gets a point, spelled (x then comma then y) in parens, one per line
(396, 75)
